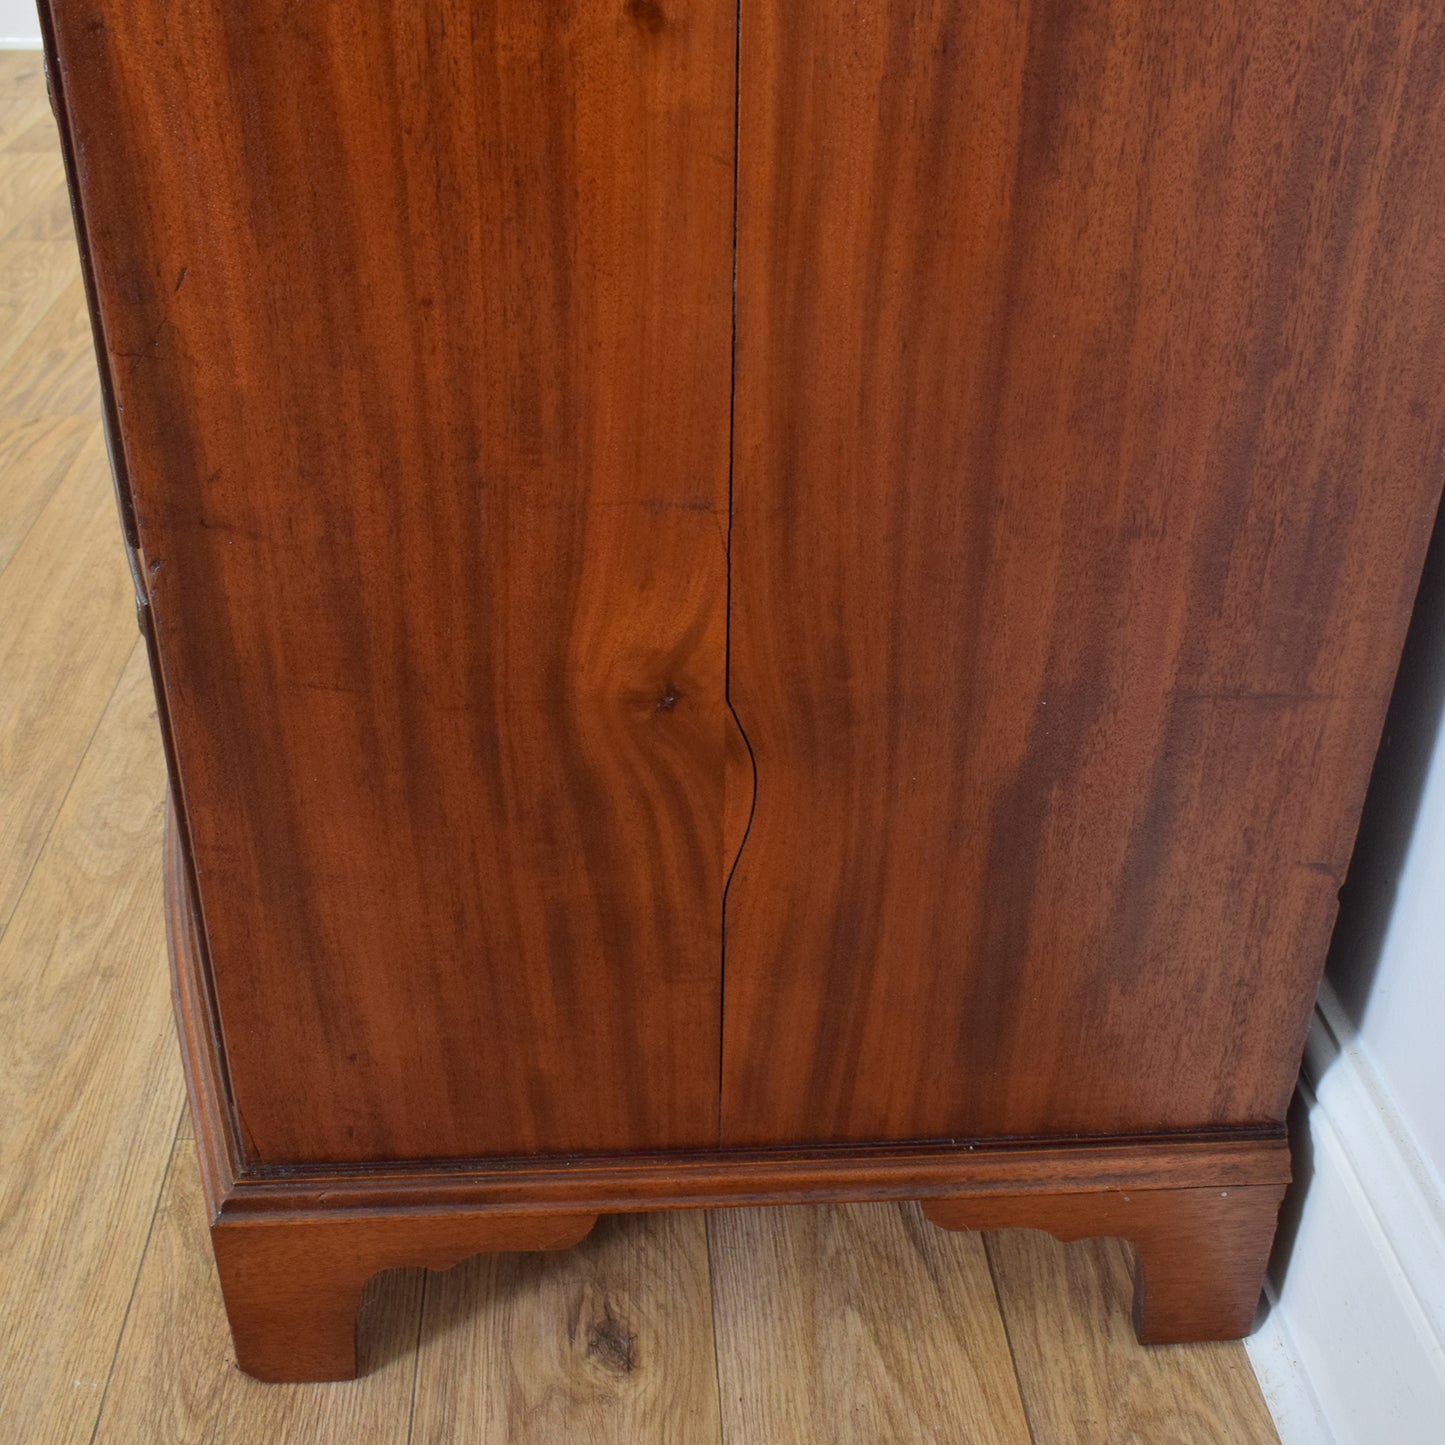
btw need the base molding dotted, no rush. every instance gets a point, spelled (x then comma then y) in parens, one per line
(734, 1177)
(292, 1281)
(292, 1285)
(1200, 1254)
(295, 1244)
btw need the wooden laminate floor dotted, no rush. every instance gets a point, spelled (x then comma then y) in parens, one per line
(754, 1327)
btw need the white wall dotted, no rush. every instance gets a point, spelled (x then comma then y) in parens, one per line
(19, 25)
(1353, 1351)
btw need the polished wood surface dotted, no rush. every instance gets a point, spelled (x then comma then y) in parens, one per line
(295, 1248)
(418, 326)
(1090, 405)
(740, 1176)
(989, 606)
(1029, 662)
(1200, 1253)
(292, 1286)
(115, 1330)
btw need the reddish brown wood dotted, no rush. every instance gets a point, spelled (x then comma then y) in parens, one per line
(578, 1184)
(292, 1295)
(1090, 405)
(1090, 396)
(1200, 1254)
(727, 1177)
(213, 1121)
(292, 1285)
(418, 319)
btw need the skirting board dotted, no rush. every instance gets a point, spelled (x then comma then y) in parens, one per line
(19, 25)
(1353, 1350)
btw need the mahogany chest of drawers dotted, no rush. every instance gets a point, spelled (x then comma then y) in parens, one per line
(757, 602)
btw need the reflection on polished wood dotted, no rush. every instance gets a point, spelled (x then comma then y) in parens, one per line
(113, 1311)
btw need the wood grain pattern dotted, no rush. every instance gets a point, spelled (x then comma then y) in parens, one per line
(71, 626)
(292, 1285)
(610, 1342)
(23, 102)
(28, 185)
(39, 135)
(49, 218)
(35, 455)
(419, 326)
(1201, 1253)
(175, 1381)
(98, 1006)
(295, 1248)
(210, 1112)
(665, 1181)
(1090, 407)
(89, 1090)
(32, 276)
(854, 1324)
(52, 372)
(1084, 1379)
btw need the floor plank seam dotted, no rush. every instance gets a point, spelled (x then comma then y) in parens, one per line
(55, 484)
(416, 1357)
(65, 794)
(134, 1287)
(1009, 1340)
(722, 1432)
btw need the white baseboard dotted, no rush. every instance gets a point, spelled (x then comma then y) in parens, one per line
(1353, 1351)
(19, 42)
(1298, 1414)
